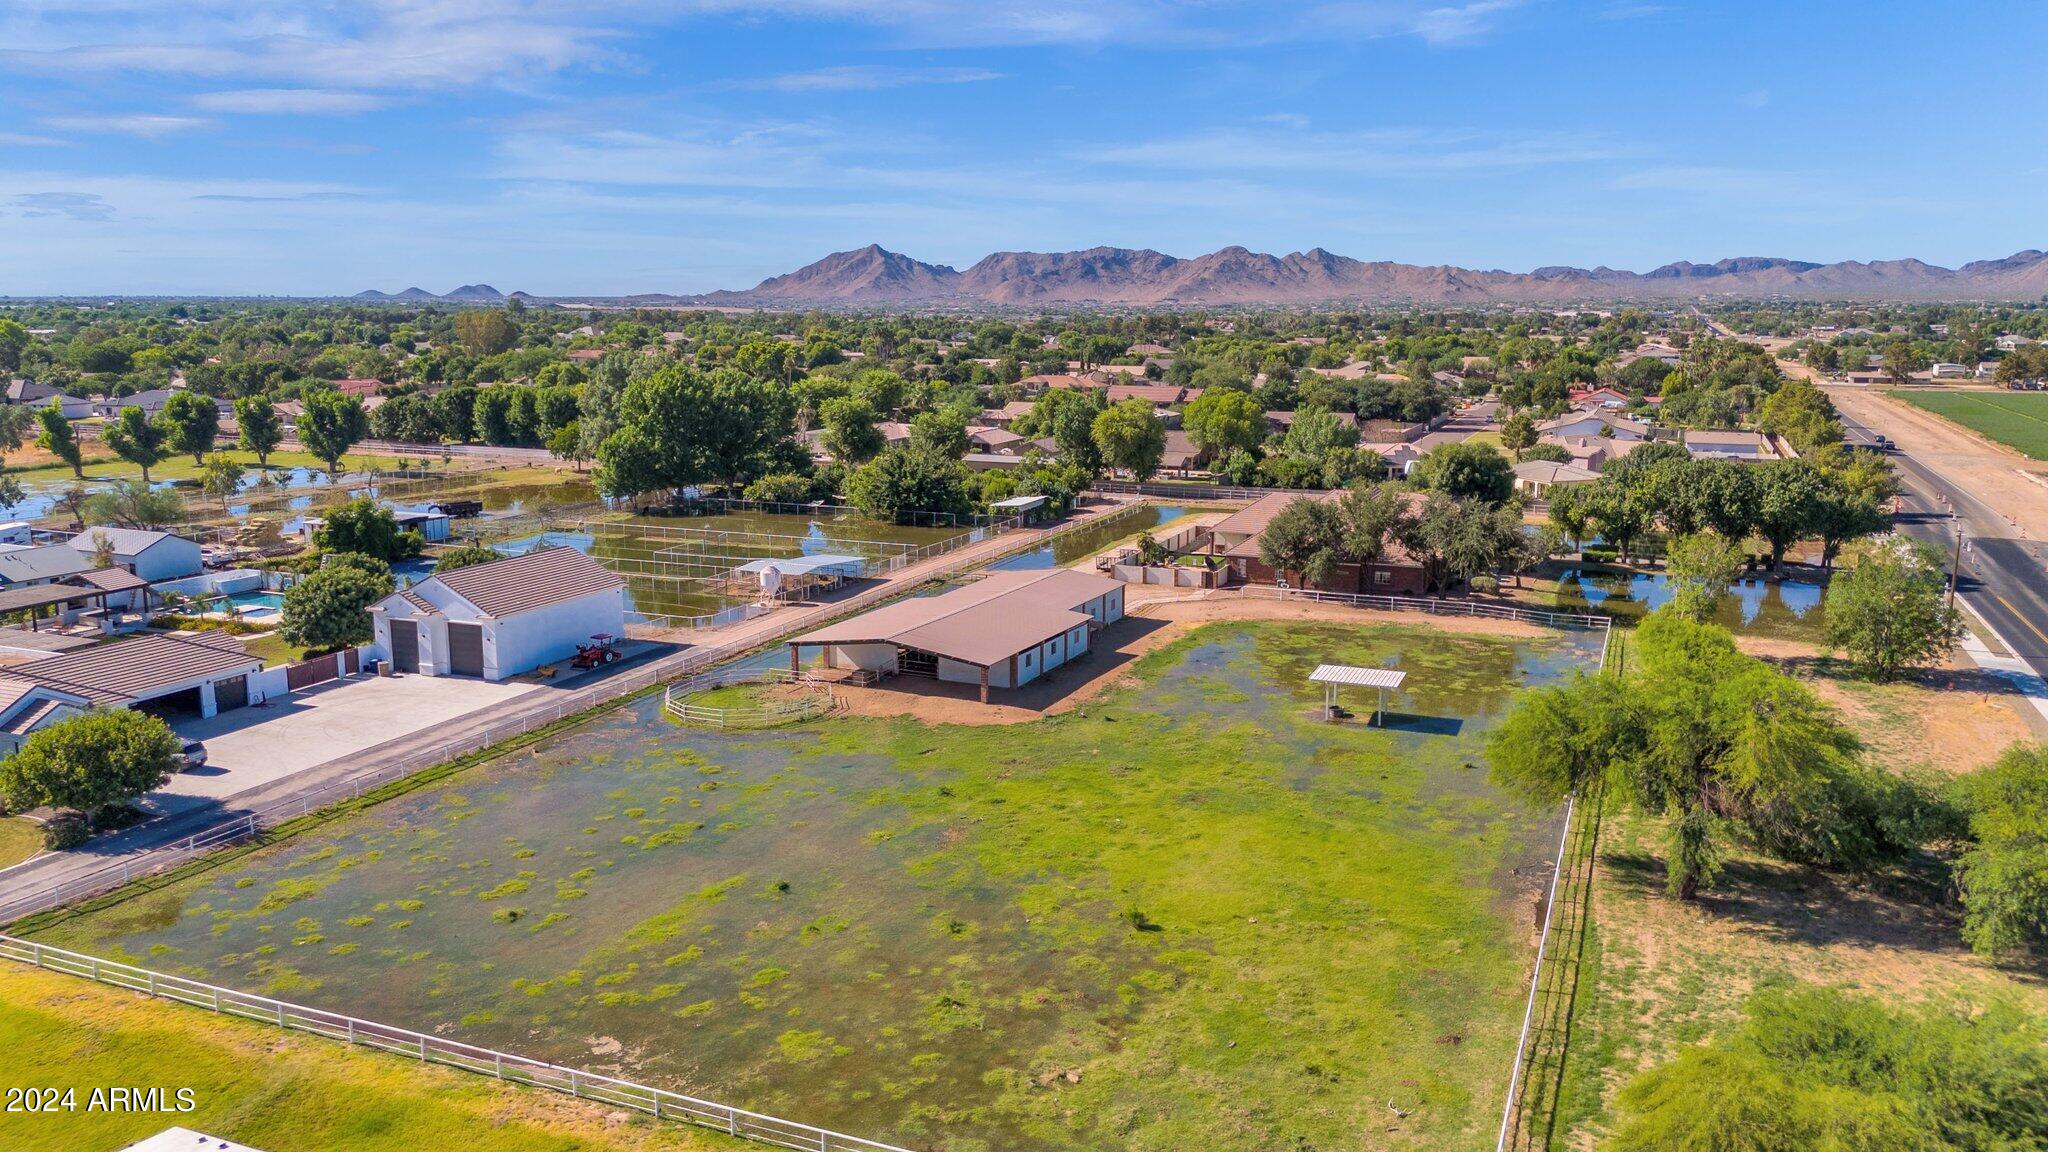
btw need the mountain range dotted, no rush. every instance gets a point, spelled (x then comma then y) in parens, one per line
(482, 293)
(1124, 277)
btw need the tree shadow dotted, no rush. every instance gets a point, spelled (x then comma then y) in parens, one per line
(1905, 909)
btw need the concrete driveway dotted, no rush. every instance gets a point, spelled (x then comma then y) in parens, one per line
(251, 747)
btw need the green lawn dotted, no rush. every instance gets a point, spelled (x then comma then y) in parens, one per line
(273, 648)
(1189, 915)
(181, 467)
(19, 840)
(2018, 420)
(272, 1089)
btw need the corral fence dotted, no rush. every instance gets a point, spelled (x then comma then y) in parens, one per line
(680, 699)
(1185, 491)
(657, 1102)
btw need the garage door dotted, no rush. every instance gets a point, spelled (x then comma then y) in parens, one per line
(231, 693)
(466, 649)
(405, 646)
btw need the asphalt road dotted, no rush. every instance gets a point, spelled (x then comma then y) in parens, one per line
(2004, 575)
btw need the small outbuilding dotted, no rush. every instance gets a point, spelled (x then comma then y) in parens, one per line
(499, 619)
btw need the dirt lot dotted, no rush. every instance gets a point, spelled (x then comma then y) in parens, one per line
(1953, 719)
(1159, 617)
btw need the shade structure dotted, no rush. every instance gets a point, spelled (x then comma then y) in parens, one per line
(1332, 676)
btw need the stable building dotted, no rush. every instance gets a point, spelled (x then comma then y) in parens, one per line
(159, 673)
(154, 556)
(499, 619)
(1001, 631)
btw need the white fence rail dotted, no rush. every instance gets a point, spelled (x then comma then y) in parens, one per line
(1434, 607)
(677, 700)
(657, 1102)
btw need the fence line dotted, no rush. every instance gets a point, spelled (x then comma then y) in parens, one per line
(660, 1103)
(1436, 607)
(675, 699)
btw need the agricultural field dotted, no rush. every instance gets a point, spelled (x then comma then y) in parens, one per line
(1659, 975)
(1188, 914)
(2018, 420)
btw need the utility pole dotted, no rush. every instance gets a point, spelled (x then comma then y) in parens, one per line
(1955, 569)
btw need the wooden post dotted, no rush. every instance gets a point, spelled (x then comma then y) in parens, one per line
(795, 661)
(984, 684)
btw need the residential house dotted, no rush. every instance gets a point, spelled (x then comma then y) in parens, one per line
(1236, 537)
(1536, 477)
(1603, 424)
(1750, 446)
(154, 556)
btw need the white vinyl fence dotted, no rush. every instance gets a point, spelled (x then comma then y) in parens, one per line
(657, 1102)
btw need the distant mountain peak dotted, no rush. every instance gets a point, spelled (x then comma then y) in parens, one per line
(1236, 275)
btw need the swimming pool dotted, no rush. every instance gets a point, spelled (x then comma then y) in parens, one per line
(252, 603)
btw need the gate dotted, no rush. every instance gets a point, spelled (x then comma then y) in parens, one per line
(307, 673)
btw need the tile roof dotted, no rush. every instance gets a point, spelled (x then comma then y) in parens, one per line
(129, 669)
(537, 579)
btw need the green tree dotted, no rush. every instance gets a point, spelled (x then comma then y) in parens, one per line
(127, 504)
(566, 443)
(1222, 422)
(1701, 567)
(331, 425)
(366, 528)
(1131, 438)
(1714, 741)
(2003, 872)
(1467, 471)
(1456, 540)
(850, 433)
(680, 427)
(330, 607)
(465, 556)
(258, 428)
(13, 339)
(1788, 503)
(90, 761)
(455, 408)
(1068, 416)
(190, 423)
(1902, 358)
(1305, 539)
(59, 439)
(1814, 1068)
(220, 478)
(905, 479)
(136, 439)
(1518, 434)
(486, 333)
(1889, 609)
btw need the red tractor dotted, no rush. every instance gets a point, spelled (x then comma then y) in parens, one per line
(599, 652)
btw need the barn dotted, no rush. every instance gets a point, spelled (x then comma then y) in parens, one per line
(1001, 631)
(498, 619)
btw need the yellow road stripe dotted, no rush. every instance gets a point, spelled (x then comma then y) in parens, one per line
(2021, 617)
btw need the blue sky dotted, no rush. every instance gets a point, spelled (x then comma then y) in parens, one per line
(243, 147)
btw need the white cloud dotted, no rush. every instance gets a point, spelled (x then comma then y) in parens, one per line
(1384, 152)
(24, 140)
(288, 102)
(146, 125)
(84, 206)
(869, 77)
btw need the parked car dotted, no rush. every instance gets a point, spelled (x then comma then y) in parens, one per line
(191, 755)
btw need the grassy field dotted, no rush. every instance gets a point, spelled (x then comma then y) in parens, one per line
(1188, 915)
(19, 840)
(272, 1089)
(31, 464)
(2018, 420)
(1660, 975)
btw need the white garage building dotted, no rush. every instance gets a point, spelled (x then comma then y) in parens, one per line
(498, 619)
(153, 556)
(1002, 631)
(157, 672)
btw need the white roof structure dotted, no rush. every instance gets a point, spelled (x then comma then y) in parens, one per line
(1359, 677)
(823, 564)
(1018, 504)
(187, 1140)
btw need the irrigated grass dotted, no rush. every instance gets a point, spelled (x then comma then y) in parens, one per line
(2018, 420)
(1188, 915)
(271, 1089)
(19, 840)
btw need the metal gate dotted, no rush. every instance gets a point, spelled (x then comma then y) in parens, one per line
(466, 649)
(405, 646)
(307, 673)
(231, 693)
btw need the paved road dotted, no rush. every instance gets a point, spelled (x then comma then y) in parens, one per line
(2005, 580)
